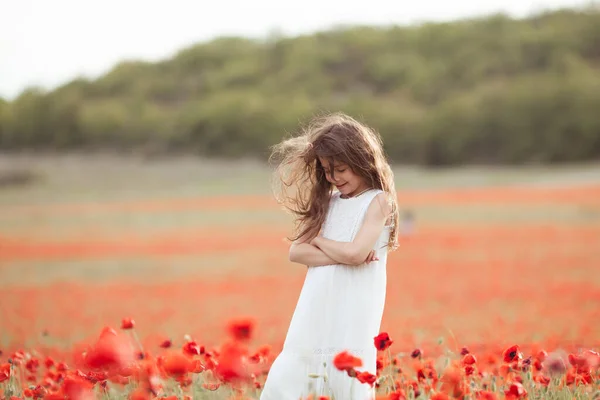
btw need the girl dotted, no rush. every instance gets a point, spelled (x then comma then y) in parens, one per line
(343, 237)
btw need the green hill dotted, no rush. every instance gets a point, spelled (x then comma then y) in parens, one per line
(489, 90)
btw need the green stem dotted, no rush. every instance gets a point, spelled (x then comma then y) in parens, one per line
(391, 367)
(453, 339)
(137, 340)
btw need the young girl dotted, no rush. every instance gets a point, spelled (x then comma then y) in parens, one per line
(343, 237)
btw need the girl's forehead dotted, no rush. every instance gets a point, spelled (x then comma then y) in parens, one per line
(325, 162)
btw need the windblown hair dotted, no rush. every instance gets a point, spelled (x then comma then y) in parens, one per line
(300, 184)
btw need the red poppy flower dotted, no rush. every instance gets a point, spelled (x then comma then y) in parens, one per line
(49, 362)
(78, 388)
(176, 364)
(197, 367)
(345, 361)
(485, 395)
(580, 363)
(232, 365)
(18, 355)
(241, 329)
(139, 394)
(541, 355)
(165, 344)
(416, 353)
(184, 381)
(379, 364)
(94, 376)
(584, 379)
(440, 396)
(469, 359)
(261, 354)
(366, 377)
(209, 362)
(147, 375)
(399, 394)
(382, 341)
(39, 392)
(469, 369)
(32, 365)
(53, 396)
(452, 383)
(127, 323)
(513, 353)
(427, 371)
(515, 391)
(111, 351)
(593, 358)
(4, 372)
(264, 350)
(191, 348)
(504, 370)
(541, 379)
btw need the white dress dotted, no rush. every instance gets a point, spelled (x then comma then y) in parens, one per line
(340, 308)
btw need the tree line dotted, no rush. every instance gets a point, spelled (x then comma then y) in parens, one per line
(492, 90)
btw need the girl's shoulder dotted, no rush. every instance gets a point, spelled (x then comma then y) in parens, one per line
(335, 195)
(359, 200)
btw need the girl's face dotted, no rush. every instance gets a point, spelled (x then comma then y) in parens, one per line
(347, 182)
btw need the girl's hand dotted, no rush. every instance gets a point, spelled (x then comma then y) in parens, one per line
(371, 257)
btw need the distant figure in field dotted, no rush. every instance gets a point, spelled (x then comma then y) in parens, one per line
(343, 236)
(407, 223)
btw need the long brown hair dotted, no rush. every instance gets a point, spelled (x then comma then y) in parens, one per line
(300, 184)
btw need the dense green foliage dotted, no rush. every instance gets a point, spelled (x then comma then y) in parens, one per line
(490, 90)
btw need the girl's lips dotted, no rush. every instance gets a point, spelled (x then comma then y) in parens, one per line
(339, 186)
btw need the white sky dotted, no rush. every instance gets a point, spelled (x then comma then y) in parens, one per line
(49, 42)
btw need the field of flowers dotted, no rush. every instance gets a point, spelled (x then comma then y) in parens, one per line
(494, 295)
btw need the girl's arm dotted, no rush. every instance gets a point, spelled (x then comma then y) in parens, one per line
(309, 255)
(303, 252)
(355, 252)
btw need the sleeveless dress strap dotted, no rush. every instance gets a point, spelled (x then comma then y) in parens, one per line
(364, 202)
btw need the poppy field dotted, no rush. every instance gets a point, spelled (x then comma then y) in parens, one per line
(145, 282)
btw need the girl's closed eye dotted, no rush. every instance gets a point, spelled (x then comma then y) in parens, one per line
(337, 171)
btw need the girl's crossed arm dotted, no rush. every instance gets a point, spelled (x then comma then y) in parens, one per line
(309, 255)
(305, 253)
(355, 252)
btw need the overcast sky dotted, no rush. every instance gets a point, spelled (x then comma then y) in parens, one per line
(49, 42)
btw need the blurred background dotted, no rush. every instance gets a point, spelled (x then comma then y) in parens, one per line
(134, 182)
